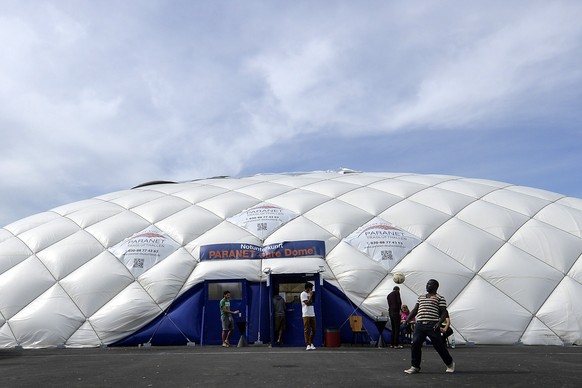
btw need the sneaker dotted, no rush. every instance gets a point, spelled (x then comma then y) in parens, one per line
(308, 347)
(312, 347)
(451, 368)
(412, 370)
(225, 345)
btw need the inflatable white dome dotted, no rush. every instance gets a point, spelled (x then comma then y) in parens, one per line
(149, 264)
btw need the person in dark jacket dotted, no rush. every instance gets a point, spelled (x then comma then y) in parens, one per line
(394, 306)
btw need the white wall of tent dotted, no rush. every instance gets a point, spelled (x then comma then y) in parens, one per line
(508, 258)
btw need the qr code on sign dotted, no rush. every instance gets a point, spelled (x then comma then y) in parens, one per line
(137, 263)
(387, 255)
(262, 226)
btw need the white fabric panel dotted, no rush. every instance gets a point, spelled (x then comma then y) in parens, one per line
(264, 190)
(68, 209)
(442, 200)
(558, 249)
(574, 203)
(376, 302)
(426, 262)
(117, 228)
(518, 202)
(189, 224)
(84, 337)
(196, 192)
(415, 218)
(370, 200)
(67, 255)
(47, 234)
(576, 270)
(131, 309)
(563, 313)
(25, 282)
(31, 222)
(543, 194)
(466, 187)
(299, 201)
(360, 179)
(61, 318)
(338, 217)
(7, 339)
(97, 282)
(482, 314)
(562, 217)
(500, 221)
(356, 273)
(513, 271)
(397, 187)
(12, 252)
(487, 182)
(95, 213)
(5, 235)
(427, 179)
(165, 280)
(330, 188)
(161, 208)
(539, 334)
(133, 198)
(231, 269)
(296, 181)
(231, 184)
(469, 245)
(228, 204)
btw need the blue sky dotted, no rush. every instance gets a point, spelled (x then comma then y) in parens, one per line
(99, 96)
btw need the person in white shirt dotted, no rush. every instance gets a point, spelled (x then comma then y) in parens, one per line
(308, 313)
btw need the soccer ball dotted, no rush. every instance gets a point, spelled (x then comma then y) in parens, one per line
(398, 277)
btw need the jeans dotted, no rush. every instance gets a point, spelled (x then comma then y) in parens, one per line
(423, 329)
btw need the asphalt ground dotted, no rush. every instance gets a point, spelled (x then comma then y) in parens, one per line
(262, 366)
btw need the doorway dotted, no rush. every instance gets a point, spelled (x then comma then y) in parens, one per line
(290, 287)
(213, 293)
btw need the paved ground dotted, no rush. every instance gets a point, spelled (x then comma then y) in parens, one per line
(261, 366)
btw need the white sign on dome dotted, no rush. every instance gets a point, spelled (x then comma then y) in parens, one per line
(383, 242)
(262, 220)
(144, 249)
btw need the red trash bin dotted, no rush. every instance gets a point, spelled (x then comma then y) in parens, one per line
(332, 337)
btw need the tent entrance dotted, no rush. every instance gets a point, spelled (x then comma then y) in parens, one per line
(213, 293)
(290, 287)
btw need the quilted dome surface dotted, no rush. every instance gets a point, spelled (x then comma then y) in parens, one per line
(508, 258)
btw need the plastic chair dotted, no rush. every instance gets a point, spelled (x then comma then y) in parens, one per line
(359, 334)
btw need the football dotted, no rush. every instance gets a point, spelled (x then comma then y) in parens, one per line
(398, 277)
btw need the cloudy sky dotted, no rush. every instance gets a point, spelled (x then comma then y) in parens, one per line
(99, 96)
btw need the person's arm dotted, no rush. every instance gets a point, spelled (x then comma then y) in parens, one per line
(444, 315)
(447, 323)
(309, 300)
(412, 314)
(228, 311)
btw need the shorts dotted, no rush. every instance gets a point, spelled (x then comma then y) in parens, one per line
(227, 322)
(280, 323)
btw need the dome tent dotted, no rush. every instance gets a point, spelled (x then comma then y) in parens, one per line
(145, 265)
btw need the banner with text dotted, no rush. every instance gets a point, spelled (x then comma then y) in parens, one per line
(383, 242)
(144, 249)
(262, 220)
(240, 251)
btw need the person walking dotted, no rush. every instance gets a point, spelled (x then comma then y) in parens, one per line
(226, 318)
(394, 306)
(430, 311)
(308, 313)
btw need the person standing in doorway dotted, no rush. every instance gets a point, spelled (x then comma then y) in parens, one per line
(308, 313)
(394, 306)
(279, 307)
(226, 318)
(430, 312)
